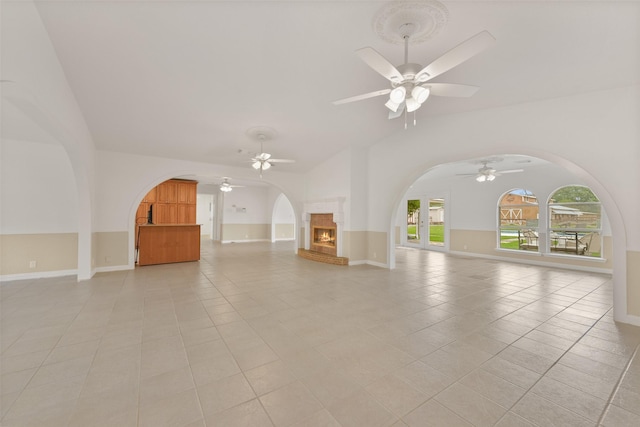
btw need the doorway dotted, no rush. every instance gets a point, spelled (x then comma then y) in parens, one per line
(426, 226)
(204, 215)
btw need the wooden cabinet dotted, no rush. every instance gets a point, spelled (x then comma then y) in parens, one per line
(173, 203)
(186, 214)
(187, 193)
(161, 244)
(167, 192)
(151, 196)
(142, 214)
(166, 213)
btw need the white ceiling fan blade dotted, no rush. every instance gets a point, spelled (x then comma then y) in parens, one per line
(379, 63)
(363, 96)
(281, 161)
(510, 171)
(451, 89)
(262, 157)
(397, 113)
(456, 56)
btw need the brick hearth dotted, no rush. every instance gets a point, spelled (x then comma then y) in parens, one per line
(320, 257)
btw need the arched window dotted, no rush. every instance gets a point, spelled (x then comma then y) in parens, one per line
(518, 214)
(575, 222)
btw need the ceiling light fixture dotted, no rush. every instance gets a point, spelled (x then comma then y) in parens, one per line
(393, 106)
(264, 165)
(398, 94)
(482, 177)
(412, 105)
(420, 94)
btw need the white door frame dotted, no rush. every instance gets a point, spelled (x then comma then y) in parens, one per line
(423, 223)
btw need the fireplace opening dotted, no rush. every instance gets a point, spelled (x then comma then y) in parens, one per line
(324, 236)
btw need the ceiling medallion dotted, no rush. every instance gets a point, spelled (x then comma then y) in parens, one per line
(425, 17)
(261, 133)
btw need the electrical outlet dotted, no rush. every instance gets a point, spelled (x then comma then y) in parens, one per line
(465, 247)
(107, 259)
(32, 264)
(375, 255)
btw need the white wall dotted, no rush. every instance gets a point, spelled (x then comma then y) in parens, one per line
(38, 189)
(283, 212)
(121, 193)
(473, 206)
(333, 179)
(36, 83)
(593, 136)
(247, 205)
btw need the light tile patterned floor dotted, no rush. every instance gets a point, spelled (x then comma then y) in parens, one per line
(254, 336)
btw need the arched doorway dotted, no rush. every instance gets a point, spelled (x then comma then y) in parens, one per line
(542, 183)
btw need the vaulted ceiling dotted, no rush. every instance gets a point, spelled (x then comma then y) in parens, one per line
(186, 79)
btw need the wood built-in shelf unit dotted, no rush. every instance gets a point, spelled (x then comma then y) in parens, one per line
(171, 203)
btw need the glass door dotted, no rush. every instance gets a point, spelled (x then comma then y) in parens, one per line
(414, 223)
(426, 223)
(436, 229)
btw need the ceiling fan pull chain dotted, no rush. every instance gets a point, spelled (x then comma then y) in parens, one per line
(414, 118)
(405, 119)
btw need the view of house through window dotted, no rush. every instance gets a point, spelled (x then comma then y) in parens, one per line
(518, 215)
(575, 226)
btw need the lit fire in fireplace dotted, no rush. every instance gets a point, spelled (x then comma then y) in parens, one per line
(324, 236)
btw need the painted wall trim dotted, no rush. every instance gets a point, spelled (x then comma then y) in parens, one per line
(535, 262)
(246, 241)
(367, 262)
(111, 268)
(37, 275)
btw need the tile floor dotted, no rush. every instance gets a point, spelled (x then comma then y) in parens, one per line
(254, 336)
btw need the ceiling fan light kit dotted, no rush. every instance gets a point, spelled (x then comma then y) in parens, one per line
(225, 185)
(263, 161)
(420, 94)
(400, 22)
(487, 173)
(398, 94)
(393, 106)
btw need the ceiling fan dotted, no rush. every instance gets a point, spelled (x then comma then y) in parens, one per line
(410, 83)
(226, 186)
(487, 173)
(263, 161)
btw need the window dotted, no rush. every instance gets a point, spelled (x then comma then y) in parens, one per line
(575, 226)
(518, 214)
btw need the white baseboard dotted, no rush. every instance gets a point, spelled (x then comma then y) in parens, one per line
(367, 262)
(38, 275)
(629, 319)
(112, 268)
(536, 262)
(245, 241)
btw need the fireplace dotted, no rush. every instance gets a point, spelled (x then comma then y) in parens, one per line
(323, 234)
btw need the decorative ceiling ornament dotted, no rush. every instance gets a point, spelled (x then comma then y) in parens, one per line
(429, 17)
